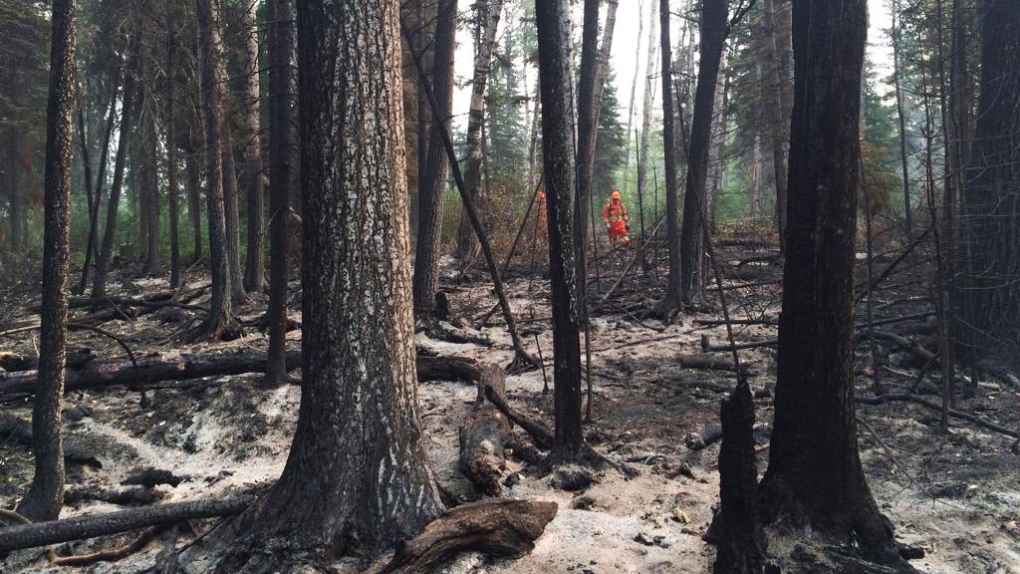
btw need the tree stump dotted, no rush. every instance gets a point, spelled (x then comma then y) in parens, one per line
(483, 436)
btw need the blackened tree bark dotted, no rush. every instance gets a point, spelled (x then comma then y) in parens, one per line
(150, 183)
(46, 494)
(433, 180)
(991, 286)
(670, 303)
(357, 478)
(255, 264)
(714, 29)
(173, 197)
(489, 13)
(282, 148)
(777, 16)
(212, 105)
(92, 243)
(554, 64)
(814, 478)
(113, 205)
(231, 210)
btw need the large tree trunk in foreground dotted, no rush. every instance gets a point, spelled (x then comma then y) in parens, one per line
(282, 157)
(492, 9)
(433, 182)
(553, 19)
(814, 479)
(991, 287)
(357, 478)
(46, 494)
(212, 108)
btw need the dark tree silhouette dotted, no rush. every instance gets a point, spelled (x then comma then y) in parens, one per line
(554, 63)
(45, 496)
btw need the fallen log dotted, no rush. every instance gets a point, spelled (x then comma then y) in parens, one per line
(56, 531)
(496, 527)
(153, 370)
(483, 436)
(890, 398)
(13, 428)
(538, 432)
(149, 370)
(447, 369)
(709, 363)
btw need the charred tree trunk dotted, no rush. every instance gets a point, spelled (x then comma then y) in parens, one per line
(232, 216)
(92, 243)
(714, 29)
(992, 284)
(670, 303)
(282, 149)
(555, 70)
(433, 181)
(113, 205)
(173, 197)
(255, 266)
(777, 14)
(492, 10)
(212, 107)
(357, 477)
(815, 478)
(900, 116)
(150, 184)
(46, 493)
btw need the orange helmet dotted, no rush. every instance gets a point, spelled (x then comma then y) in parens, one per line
(616, 194)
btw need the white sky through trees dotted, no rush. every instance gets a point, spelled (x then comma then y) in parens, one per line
(624, 43)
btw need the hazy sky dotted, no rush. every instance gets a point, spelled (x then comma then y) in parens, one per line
(624, 44)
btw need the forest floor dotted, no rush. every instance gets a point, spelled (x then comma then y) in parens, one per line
(955, 494)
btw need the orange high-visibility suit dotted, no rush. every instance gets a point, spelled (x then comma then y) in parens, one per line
(616, 218)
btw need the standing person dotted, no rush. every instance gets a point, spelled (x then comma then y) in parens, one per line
(616, 218)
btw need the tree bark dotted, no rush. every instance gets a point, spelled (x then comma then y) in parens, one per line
(646, 116)
(113, 205)
(255, 266)
(670, 303)
(282, 148)
(492, 9)
(193, 175)
(815, 478)
(349, 487)
(633, 94)
(232, 216)
(483, 435)
(173, 197)
(778, 25)
(991, 286)
(433, 181)
(149, 183)
(212, 106)
(714, 29)
(92, 243)
(555, 71)
(45, 496)
(80, 527)
(900, 116)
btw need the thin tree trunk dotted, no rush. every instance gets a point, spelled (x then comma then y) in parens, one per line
(92, 245)
(282, 148)
(717, 152)
(555, 69)
(778, 25)
(433, 179)
(900, 116)
(231, 210)
(633, 95)
(255, 266)
(670, 303)
(492, 9)
(113, 205)
(171, 154)
(714, 29)
(150, 186)
(194, 176)
(646, 118)
(46, 493)
(212, 103)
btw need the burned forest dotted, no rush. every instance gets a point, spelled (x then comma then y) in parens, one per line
(510, 286)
